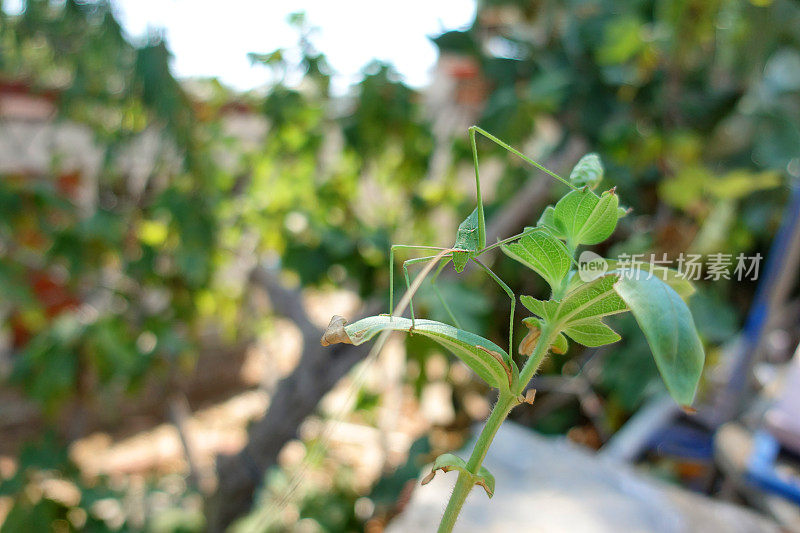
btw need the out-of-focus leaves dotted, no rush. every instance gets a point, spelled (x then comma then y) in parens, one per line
(696, 184)
(716, 228)
(740, 183)
(457, 42)
(782, 72)
(622, 41)
(548, 90)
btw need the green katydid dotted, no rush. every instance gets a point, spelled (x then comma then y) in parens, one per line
(470, 242)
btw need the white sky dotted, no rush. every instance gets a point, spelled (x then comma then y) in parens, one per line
(213, 37)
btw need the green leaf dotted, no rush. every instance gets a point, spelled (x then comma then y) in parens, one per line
(545, 309)
(467, 240)
(483, 356)
(588, 172)
(560, 345)
(671, 277)
(622, 40)
(578, 313)
(591, 332)
(543, 253)
(548, 221)
(447, 462)
(670, 331)
(586, 218)
(596, 298)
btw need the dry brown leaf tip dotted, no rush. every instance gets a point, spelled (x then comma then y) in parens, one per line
(530, 395)
(335, 332)
(528, 344)
(485, 486)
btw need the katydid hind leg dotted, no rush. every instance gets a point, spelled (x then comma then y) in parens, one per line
(510, 294)
(507, 147)
(481, 217)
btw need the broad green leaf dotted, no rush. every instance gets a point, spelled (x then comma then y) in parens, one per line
(671, 277)
(447, 462)
(586, 218)
(670, 331)
(578, 313)
(543, 253)
(589, 171)
(467, 240)
(591, 332)
(483, 356)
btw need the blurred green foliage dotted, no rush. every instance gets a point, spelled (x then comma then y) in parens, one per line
(48, 493)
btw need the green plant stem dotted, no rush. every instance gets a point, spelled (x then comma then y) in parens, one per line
(465, 483)
(501, 409)
(539, 352)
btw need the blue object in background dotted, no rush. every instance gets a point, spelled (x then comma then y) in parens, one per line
(761, 469)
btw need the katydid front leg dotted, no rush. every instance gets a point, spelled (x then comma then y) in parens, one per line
(391, 268)
(435, 286)
(507, 240)
(408, 282)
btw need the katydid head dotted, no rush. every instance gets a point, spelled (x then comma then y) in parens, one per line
(468, 240)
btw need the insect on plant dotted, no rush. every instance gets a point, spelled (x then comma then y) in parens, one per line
(470, 242)
(579, 300)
